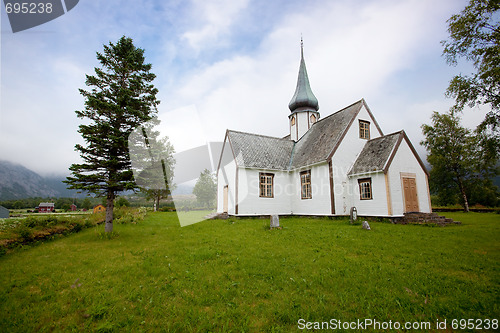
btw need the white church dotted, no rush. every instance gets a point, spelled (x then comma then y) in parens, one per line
(325, 166)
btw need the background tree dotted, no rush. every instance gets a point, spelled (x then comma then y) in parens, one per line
(152, 162)
(165, 161)
(460, 164)
(121, 98)
(86, 204)
(122, 202)
(205, 189)
(475, 35)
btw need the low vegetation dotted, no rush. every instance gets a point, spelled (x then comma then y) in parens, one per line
(27, 230)
(237, 275)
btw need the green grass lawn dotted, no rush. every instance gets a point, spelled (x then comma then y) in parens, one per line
(237, 275)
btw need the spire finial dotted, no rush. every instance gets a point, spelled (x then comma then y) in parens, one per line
(301, 45)
(303, 97)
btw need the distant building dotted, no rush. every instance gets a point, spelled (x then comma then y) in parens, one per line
(99, 208)
(73, 208)
(46, 207)
(4, 213)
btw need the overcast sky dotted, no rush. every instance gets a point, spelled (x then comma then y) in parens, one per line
(228, 64)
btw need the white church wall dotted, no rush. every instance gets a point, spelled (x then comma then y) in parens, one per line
(319, 204)
(226, 175)
(377, 205)
(405, 162)
(343, 160)
(249, 200)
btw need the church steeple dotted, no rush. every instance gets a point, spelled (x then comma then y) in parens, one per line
(304, 105)
(303, 98)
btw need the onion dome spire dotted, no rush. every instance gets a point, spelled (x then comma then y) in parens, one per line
(303, 97)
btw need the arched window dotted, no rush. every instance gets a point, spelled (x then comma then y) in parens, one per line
(313, 119)
(293, 120)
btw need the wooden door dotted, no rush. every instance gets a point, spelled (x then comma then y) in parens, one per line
(225, 200)
(410, 194)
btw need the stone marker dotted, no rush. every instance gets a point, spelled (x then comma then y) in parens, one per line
(275, 221)
(366, 226)
(353, 214)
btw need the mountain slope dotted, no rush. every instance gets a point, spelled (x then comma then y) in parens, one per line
(17, 181)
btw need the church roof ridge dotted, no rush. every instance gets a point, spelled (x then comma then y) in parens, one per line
(261, 135)
(361, 101)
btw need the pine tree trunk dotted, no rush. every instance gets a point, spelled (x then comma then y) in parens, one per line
(464, 195)
(109, 212)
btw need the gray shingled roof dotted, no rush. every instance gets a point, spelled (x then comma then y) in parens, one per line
(259, 151)
(317, 144)
(375, 154)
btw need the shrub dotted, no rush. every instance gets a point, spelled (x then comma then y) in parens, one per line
(77, 227)
(50, 220)
(129, 215)
(122, 202)
(24, 232)
(97, 218)
(30, 222)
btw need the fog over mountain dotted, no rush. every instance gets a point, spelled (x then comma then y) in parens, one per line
(17, 182)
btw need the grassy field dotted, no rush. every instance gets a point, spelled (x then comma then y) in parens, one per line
(237, 275)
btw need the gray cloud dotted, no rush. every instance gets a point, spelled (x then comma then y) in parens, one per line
(386, 51)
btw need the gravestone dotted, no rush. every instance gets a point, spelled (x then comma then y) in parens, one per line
(366, 226)
(353, 215)
(275, 221)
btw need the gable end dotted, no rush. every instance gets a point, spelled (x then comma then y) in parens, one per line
(363, 103)
(396, 147)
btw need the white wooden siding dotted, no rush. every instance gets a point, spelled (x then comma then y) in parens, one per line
(343, 160)
(319, 204)
(249, 201)
(404, 161)
(377, 206)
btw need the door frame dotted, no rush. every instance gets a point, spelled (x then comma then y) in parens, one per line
(409, 176)
(225, 199)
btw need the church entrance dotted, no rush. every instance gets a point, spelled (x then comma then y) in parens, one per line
(410, 194)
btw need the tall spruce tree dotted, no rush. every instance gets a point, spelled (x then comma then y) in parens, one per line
(121, 97)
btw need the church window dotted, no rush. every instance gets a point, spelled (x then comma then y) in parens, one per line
(365, 188)
(305, 184)
(293, 121)
(313, 119)
(364, 129)
(266, 185)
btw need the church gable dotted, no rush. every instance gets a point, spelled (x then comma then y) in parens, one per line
(375, 154)
(405, 138)
(350, 138)
(317, 144)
